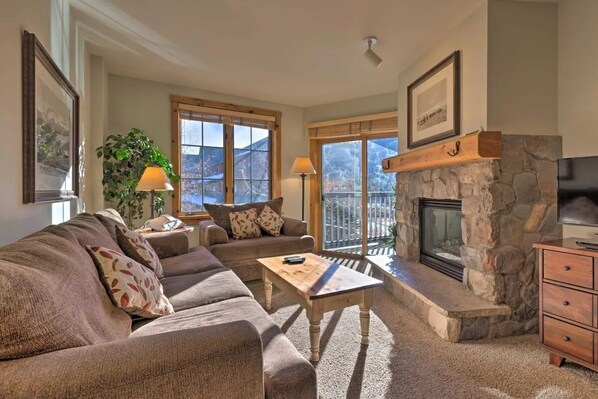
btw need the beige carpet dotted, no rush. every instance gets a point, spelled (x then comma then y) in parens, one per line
(406, 359)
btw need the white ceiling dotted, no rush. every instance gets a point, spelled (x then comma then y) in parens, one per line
(296, 52)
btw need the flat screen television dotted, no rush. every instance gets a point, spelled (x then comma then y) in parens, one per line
(578, 191)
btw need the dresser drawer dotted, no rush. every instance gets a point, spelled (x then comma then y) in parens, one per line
(569, 339)
(570, 269)
(575, 305)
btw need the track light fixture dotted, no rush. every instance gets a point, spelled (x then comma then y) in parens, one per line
(370, 54)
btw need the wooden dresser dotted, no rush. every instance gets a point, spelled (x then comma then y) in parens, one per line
(568, 299)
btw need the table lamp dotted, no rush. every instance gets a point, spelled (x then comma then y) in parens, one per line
(153, 179)
(303, 167)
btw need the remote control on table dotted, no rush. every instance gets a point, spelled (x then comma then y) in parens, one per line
(294, 260)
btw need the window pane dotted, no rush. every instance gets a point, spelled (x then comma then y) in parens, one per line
(260, 168)
(242, 135)
(213, 163)
(191, 164)
(190, 132)
(378, 149)
(190, 150)
(213, 134)
(260, 190)
(260, 139)
(191, 195)
(213, 191)
(242, 191)
(242, 163)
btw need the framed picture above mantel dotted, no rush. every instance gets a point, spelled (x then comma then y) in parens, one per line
(433, 104)
(50, 128)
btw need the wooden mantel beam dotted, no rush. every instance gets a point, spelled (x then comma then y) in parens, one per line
(472, 147)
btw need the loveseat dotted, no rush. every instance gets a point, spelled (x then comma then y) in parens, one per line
(240, 255)
(61, 336)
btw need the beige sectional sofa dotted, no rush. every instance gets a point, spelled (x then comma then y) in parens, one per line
(241, 255)
(61, 336)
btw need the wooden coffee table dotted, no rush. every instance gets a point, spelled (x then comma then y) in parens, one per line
(320, 286)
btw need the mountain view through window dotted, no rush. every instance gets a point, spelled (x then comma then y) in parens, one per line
(203, 164)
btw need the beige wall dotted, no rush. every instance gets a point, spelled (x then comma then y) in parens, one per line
(578, 85)
(355, 107)
(522, 67)
(98, 88)
(43, 19)
(146, 105)
(471, 38)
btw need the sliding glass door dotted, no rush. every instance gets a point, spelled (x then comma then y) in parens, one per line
(357, 197)
(341, 196)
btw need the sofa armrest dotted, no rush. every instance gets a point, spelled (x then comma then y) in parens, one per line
(211, 234)
(168, 243)
(220, 361)
(294, 227)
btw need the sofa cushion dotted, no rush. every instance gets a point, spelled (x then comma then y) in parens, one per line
(270, 221)
(51, 297)
(262, 247)
(287, 374)
(131, 286)
(111, 219)
(220, 212)
(197, 260)
(90, 231)
(244, 224)
(198, 289)
(136, 247)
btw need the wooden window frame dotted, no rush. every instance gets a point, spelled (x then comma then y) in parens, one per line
(348, 129)
(225, 109)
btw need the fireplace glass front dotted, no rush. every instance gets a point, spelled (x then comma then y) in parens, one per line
(441, 238)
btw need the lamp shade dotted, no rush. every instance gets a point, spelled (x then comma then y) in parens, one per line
(303, 165)
(154, 178)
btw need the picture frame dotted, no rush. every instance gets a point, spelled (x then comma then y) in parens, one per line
(50, 127)
(433, 103)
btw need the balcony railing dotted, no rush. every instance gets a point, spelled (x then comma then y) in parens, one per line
(343, 220)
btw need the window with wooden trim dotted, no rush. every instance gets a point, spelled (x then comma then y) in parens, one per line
(224, 154)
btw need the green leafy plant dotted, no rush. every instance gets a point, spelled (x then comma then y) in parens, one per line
(393, 229)
(125, 159)
(393, 233)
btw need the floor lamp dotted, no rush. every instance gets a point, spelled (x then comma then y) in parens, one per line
(303, 167)
(153, 179)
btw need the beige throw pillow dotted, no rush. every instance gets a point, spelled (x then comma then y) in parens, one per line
(270, 221)
(132, 287)
(244, 224)
(136, 246)
(220, 213)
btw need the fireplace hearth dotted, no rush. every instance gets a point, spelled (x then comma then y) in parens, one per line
(441, 238)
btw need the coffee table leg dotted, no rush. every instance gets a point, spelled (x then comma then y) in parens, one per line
(364, 315)
(267, 291)
(314, 315)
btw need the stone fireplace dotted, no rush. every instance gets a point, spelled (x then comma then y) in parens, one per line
(505, 205)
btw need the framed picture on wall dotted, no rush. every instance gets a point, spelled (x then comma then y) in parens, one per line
(50, 128)
(433, 100)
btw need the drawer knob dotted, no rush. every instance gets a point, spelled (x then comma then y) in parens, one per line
(566, 268)
(565, 303)
(566, 338)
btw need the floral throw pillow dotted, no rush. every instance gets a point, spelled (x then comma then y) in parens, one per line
(135, 246)
(270, 221)
(132, 287)
(244, 224)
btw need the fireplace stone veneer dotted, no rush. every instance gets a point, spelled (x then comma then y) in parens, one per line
(508, 204)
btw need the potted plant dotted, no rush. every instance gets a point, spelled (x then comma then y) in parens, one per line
(125, 158)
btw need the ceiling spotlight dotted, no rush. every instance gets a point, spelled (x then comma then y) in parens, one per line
(369, 54)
